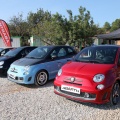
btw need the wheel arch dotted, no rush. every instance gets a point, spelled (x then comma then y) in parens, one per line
(40, 71)
(118, 80)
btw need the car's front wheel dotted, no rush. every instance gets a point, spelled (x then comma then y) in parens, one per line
(115, 94)
(41, 78)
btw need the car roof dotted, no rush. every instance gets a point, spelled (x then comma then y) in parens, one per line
(22, 47)
(9, 48)
(106, 45)
(54, 46)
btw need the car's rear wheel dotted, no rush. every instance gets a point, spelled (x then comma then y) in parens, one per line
(41, 78)
(115, 94)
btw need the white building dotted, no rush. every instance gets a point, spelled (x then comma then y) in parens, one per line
(35, 41)
(15, 42)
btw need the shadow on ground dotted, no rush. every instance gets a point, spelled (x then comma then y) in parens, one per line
(33, 86)
(106, 106)
(3, 76)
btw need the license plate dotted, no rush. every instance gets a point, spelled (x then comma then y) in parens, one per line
(70, 89)
(12, 76)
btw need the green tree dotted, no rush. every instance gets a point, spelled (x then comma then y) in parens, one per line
(56, 29)
(107, 27)
(52, 28)
(82, 27)
(19, 27)
(115, 25)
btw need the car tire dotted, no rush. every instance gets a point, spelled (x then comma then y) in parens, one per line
(41, 78)
(115, 94)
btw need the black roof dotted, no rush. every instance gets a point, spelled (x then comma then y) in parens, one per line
(115, 35)
(53, 46)
(106, 45)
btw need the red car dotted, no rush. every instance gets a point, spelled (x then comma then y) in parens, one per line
(93, 76)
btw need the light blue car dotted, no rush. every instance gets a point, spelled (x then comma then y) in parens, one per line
(40, 65)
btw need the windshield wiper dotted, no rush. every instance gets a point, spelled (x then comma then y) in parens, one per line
(95, 61)
(88, 60)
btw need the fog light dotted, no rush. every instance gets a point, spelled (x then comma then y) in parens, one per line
(25, 73)
(100, 87)
(86, 95)
(29, 78)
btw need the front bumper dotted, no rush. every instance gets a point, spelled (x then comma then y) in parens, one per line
(19, 76)
(26, 79)
(95, 96)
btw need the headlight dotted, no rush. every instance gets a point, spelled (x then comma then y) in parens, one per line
(26, 69)
(1, 62)
(98, 78)
(59, 72)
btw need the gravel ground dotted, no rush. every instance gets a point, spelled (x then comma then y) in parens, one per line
(28, 102)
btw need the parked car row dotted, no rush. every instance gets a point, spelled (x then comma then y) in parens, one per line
(92, 75)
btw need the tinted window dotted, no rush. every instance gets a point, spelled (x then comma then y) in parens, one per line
(70, 51)
(54, 53)
(13, 52)
(39, 52)
(104, 55)
(62, 52)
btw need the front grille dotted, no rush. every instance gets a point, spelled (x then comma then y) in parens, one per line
(16, 78)
(81, 95)
(76, 81)
(14, 70)
(73, 83)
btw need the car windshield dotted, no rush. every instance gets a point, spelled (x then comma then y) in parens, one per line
(39, 52)
(13, 52)
(100, 55)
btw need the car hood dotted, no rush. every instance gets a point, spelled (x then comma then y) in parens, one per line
(86, 68)
(3, 58)
(27, 61)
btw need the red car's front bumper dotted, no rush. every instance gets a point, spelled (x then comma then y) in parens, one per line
(95, 96)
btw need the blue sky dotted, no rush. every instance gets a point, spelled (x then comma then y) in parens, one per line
(101, 10)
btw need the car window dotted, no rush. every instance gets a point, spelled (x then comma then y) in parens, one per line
(99, 55)
(13, 52)
(62, 52)
(23, 52)
(39, 52)
(86, 54)
(54, 53)
(70, 51)
(27, 50)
